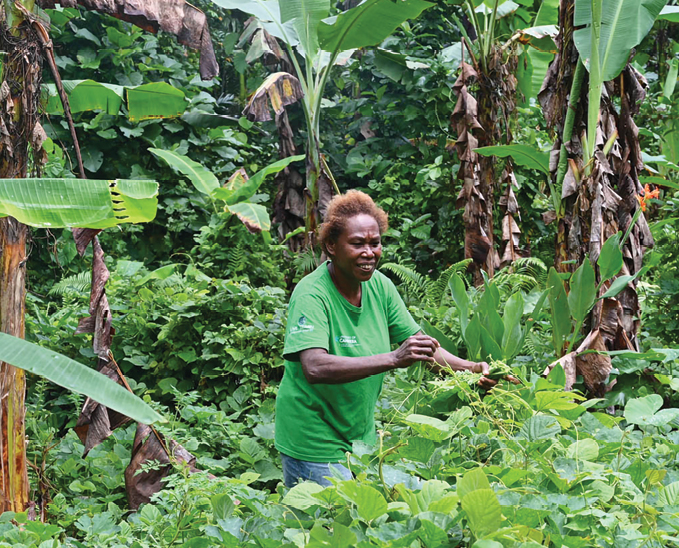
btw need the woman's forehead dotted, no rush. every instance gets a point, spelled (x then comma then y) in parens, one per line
(361, 225)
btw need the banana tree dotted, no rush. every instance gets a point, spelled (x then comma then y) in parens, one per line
(24, 46)
(315, 42)
(487, 97)
(599, 159)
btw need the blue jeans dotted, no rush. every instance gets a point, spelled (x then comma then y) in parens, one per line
(295, 470)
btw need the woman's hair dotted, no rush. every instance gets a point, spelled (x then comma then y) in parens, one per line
(345, 206)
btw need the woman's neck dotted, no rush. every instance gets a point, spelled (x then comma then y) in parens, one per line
(351, 292)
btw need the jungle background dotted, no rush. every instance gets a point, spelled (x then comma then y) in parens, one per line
(494, 252)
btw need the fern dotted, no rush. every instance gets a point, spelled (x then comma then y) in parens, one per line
(236, 260)
(437, 289)
(305, 262)
(524, 274)
(78, 283)
(415, 283)
(174, 280)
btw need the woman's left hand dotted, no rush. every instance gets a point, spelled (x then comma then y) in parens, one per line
(484, 369)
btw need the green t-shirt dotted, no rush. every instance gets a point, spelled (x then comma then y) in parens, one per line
(319, 422)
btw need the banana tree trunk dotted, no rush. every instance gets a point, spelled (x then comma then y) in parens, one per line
(480, 122)
(597, 205)
(19, 128)
(13, 468)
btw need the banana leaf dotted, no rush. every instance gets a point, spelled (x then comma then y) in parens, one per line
(368, 24)
(60, 203)
(76, 377)
(523, 155)
(154, 100)
(624, 25)
(202, 178)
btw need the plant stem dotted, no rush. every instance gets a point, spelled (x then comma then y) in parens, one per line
(477, 29)
(595, 82)
(491, 29)
(576, 87)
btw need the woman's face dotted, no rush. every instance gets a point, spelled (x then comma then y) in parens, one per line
(357, 250)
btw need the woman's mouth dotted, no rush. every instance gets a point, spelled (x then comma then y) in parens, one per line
(366, 267)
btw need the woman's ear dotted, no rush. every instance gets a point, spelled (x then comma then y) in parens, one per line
(330, 249)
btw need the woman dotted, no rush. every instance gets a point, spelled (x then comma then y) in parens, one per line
(342, 321)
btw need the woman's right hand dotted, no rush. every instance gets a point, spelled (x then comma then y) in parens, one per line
(419, 347)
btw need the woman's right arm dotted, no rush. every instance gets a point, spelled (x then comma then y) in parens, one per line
(320, 367)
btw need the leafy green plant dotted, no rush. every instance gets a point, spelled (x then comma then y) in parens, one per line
(237, 191)
(487, 335)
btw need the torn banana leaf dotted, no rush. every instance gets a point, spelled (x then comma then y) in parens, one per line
(60, 203)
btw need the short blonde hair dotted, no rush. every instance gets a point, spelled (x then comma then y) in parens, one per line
(345, 206)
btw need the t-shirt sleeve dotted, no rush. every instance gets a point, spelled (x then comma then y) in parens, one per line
(401, 323)
(307, 326)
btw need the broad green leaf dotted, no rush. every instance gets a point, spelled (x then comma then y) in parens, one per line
(583, 291)
(254, 216)
(203, 179)
(524, 76)
(458, 418)
(444, 505)
(602, 490)
(610, 258)
(461, 299)
(561, 315)
(418, 449)
(624, 25)
(646, 411)
(75, 377)
(655, 476)
(670, 13)
(586, 449)
(548, 14)
(669, 495)
(246, 190)
(490, 349)
(61, 203)
(472, 481)
(155, 100)
(621, 282)
(305, 16)
(505, 8)
(472, 337)
(430, 428)
(489, 316)
(339, 536)
(671, 80)
(540, 427)
(432, 491)
(486, 543)
(513, 333)
(222, 506)
(557, 376)
(523, 155)
(443, 340)
(369, 502)
(555, 401)
(85, 95)
(368, 24)
(483, 511)
(301, 496)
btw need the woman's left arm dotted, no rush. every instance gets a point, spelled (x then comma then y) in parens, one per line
(444, 360)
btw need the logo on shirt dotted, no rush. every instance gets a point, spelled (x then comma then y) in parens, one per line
(346, 341)
(303, 326)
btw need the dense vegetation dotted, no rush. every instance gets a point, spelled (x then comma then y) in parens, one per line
(199, 306)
